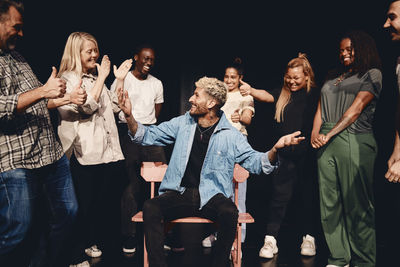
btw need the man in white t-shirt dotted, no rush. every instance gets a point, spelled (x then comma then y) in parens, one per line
(146, 94)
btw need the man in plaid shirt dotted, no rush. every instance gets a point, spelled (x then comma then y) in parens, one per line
(31, 158)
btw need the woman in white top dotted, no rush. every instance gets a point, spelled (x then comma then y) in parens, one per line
(239, 110)
(89, 136)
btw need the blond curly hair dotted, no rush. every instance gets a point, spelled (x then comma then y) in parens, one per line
(214, 87)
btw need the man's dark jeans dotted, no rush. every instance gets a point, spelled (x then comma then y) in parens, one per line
(173, 205)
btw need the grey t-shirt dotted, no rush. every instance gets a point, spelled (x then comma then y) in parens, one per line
(336, 99)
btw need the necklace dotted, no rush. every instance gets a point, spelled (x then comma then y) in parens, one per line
(340, 79)
(201, 132)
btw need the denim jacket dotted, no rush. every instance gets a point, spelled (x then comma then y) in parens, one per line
(227, 146)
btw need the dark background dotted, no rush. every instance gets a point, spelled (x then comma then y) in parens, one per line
(197, 38)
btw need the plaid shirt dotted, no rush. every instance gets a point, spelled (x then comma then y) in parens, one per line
(27, 139)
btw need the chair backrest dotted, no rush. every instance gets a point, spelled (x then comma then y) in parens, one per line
(240, 174)
(155, 171)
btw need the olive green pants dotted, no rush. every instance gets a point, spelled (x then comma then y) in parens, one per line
(345, 170)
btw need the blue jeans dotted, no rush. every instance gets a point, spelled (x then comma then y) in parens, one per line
(19, 191)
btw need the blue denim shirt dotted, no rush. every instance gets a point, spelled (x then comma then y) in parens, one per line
(227, 146)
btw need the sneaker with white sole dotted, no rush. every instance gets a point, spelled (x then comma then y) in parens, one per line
(93, 251)
(82, 264)
(129, 245)
(269, 248)
(331, 265)
(308, 246)
(209, 241)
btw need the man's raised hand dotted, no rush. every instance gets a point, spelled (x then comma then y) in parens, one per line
(54, 87)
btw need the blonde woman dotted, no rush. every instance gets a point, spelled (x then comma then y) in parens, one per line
(89, 136)
(294, 111)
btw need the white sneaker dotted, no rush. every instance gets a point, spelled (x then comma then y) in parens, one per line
(82, 264)
(269, 248)
(208, 242)
(308, 246)
(93, 251)
(331, 265)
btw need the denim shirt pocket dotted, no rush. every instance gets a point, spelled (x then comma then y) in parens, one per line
(218, 160)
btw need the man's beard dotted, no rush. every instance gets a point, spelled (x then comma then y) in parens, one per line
(12, 43)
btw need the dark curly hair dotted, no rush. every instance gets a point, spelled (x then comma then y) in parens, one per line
(366, 54)
(236, 64)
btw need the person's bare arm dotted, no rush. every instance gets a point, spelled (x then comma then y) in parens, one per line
(258, 94)
(54, 88)
(158, 109)
(362, 99)
(244, 117)
(315, 135)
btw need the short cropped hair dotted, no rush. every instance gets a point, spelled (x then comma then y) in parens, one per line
(5, 6)
(214, 87)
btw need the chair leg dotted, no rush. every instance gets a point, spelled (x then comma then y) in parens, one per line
(145, 258)
(237, 247)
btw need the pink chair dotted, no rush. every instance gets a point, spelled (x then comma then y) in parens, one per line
(154, 172)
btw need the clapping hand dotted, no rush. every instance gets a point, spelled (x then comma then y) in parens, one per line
(124, 102)
(103, 69)
(121, 72)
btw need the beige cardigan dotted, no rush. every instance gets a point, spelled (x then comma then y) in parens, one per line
(89, 130)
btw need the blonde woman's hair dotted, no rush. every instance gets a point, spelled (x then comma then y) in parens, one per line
(71, 59)
(284, 97)
(215, 88)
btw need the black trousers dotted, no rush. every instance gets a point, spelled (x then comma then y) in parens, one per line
(136, 190)
(293, 183)
(173, 205)
(98, 190)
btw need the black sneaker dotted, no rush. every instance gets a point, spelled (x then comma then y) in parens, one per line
(172, 242)
(129, 245)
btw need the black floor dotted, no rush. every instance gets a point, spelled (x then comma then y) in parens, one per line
(289, 239)
(288, 255)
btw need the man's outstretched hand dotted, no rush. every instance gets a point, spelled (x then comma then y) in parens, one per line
(285, 141)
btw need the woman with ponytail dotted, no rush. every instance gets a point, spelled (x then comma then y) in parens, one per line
(239, 110)
(294, 108)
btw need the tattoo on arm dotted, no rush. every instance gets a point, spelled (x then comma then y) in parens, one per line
(342, 124)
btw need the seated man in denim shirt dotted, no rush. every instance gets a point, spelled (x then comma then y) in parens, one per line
(198, 181)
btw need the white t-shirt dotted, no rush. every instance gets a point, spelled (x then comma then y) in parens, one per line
(144, 94)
